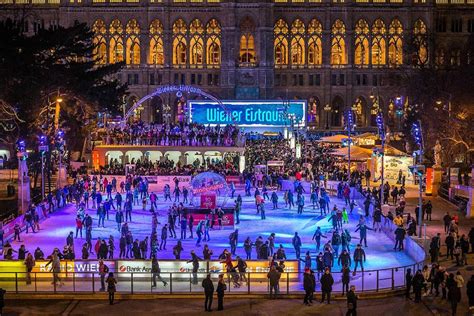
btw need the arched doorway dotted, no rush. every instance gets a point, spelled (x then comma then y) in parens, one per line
(156, 105)
(360, 111)
(336, 111)
(377, 105)
(314, 111)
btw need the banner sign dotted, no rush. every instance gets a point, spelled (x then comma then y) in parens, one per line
(208, 201)
(248, 113)
(157, 183)
(429, 181)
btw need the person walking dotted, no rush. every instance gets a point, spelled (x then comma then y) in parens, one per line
(274, 278)
(352, 298)
(435, 245)
(111, 287)
(208, 292)
(454, 293)
(221, 288)
(408, 282)
(308, 286)
(327, 282)
(418, 284)
(470, 292)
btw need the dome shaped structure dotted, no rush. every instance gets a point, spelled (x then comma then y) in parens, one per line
(209, 183)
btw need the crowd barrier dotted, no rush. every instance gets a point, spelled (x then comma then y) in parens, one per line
(135, 276)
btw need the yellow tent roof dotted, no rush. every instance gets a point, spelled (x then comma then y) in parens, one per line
(333, 139)
(357, 153)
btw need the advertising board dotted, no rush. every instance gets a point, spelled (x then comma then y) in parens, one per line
(248, 113)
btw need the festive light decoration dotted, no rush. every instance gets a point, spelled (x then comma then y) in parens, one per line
(417, 134)
(349, 120)
(21, 149)
(380, 125)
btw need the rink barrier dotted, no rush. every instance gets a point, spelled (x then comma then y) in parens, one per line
(131, 281)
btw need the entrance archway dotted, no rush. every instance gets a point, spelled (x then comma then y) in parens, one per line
(179, 92)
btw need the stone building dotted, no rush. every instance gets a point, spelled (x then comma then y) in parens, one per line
(332, 53)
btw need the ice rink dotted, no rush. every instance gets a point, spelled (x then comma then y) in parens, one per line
(283, 222)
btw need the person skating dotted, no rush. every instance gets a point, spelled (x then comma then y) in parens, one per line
(296, 241)
(359, 258)
(177, 249)
(208, 292)
(399, 237)
(248, 248)
(327, 282)
(317, 237)
(346, 240)
(336, 241)
(344, 259)
(362, 228)
(156, 270)
(274, 199)
(195, 260)
(164, 236)
(233, 240)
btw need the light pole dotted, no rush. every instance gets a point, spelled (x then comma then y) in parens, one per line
(60, 148)
(349, 122)
(43, 148)
(418, 138)
(327, 109)
(381, 131)
(22, 156)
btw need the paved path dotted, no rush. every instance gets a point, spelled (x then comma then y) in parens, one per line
(390, 306)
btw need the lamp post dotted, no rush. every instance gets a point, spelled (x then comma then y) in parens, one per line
(43, 148)
(349, 122)
(327, 109)
(418, 138)
(60, 148)
(22, 155)
(381, 132)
